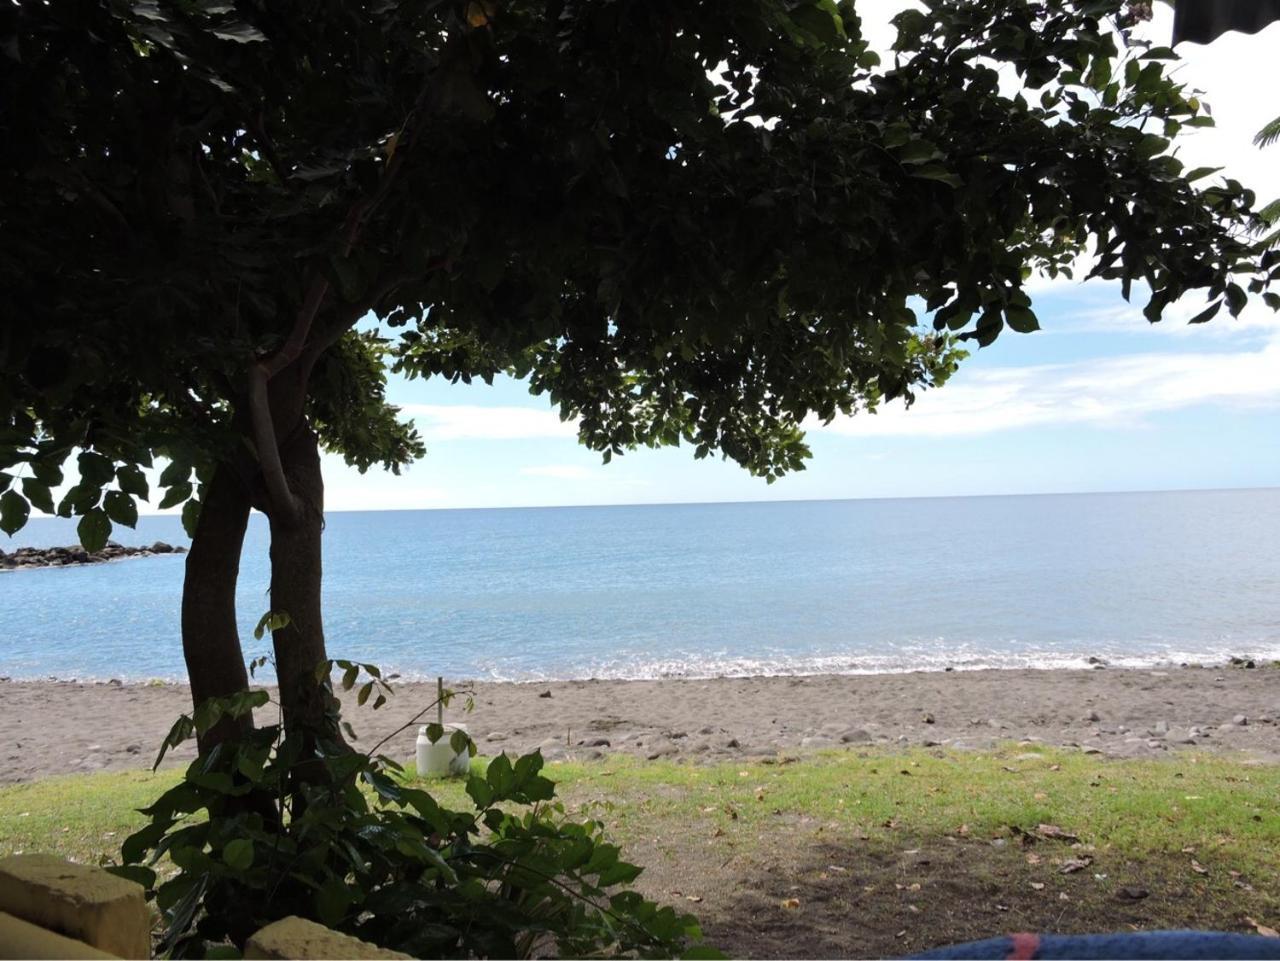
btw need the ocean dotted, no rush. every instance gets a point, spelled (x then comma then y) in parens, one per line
(700, 590)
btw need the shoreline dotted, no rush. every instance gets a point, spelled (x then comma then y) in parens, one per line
(65, 727)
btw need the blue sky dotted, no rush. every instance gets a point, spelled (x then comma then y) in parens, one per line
(1098, 400)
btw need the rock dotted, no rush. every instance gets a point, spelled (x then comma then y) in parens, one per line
(732, 742)
(545, 694)
(160, 547)
(134, 749)
(816, 742)
(662, 750)
(927, 718)
(707, 730)
(1162, 727)
(1121, 729)
(1096, 661)
(1240, 720)
(1094, 717)
(927, 743)
(597, 742)
(856, 735)
(496, 736)
(948, 669)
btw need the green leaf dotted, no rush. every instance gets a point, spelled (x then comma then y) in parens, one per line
(365, 691)
(38, 494)
(238, 854)
(1207, 314)
(1236, 299)
(331, 902)
(175, 473)
(938, 173)
(1198, 172)
(14, 512)
(94, 529)
(175, 495)
(95, 469)
(191, 516)
(121, 508)
(132, 480)
(1021, 319)
(134, 872)
(349, 677)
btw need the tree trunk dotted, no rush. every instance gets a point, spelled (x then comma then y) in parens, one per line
(295, 590)
(210, 638)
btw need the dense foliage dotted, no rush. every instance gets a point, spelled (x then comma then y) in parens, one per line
(366, 851)
(685, 223)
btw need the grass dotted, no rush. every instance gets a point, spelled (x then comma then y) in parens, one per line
(868, 853)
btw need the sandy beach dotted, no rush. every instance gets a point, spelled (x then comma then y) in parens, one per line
(63, 727)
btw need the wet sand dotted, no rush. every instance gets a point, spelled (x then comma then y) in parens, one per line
(64, 727)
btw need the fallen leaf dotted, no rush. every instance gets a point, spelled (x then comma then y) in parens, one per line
(1062, 896)
(1002, 907)
(1263, 930)
(1040, 795)
(963, 830)
(695, 898)
(1033, 858)
(708, 810)
(837, 869)
(1037, 885)
(1072, 865)
(791, 904)
(1055, 767)
(1189, 850)
(1197, 867)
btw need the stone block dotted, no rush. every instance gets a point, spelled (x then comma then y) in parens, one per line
(297, 938)
(81, 901)
(22, 939)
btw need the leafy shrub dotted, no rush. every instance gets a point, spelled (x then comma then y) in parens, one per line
(365, 852)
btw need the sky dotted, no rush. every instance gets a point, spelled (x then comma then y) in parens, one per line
(1098, 400)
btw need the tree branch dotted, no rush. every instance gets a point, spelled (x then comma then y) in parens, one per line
(282, 498)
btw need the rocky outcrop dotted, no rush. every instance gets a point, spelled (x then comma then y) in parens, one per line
(28, 557)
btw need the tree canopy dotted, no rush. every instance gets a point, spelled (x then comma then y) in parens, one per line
(693, 224)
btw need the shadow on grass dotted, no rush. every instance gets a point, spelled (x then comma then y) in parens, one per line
(791, 898)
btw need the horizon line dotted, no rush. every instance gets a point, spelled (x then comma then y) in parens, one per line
(769, 500)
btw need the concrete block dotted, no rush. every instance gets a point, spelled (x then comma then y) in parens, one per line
(22, 939)
(83, 902)
(298, 938)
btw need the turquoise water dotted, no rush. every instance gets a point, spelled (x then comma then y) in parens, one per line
(710, 589)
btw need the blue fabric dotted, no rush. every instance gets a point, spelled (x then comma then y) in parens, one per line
(1139, 946)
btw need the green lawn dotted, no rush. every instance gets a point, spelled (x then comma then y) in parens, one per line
(861, 853)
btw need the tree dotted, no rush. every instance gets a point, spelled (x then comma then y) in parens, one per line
(685, 224)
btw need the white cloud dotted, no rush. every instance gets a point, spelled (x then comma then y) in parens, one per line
(1110, 392)
(443, 422)
(559, 471)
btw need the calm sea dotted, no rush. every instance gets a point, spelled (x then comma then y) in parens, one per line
(711, 589)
